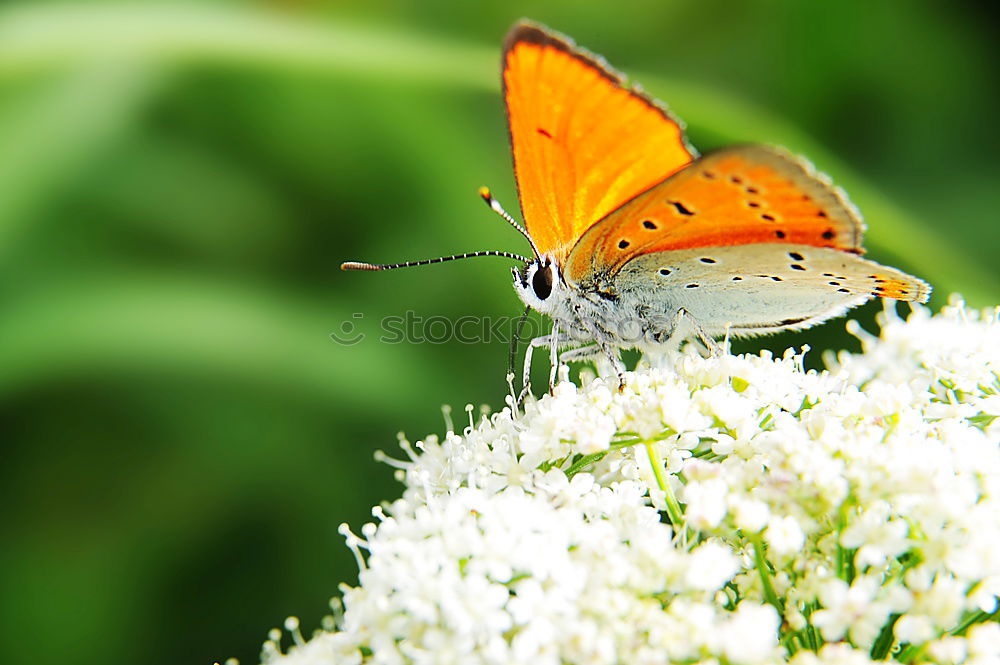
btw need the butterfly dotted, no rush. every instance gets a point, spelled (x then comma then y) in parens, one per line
(639, 242)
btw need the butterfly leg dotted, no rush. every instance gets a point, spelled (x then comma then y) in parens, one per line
(581, 353)
(526, 371)
(706, 339)
(597, 350)
(601, 338)
(616, 362)
(553, 356)
(553, 341)
(549, 341)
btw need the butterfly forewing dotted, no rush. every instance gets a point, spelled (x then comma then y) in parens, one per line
(737, 196)
(583, 144)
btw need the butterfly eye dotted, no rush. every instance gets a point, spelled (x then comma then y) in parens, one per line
(541, 282)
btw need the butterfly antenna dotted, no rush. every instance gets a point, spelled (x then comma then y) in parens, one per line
(498, 209)
(358, 265)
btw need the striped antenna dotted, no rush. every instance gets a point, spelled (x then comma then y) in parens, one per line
(357, 265)
(498, 209)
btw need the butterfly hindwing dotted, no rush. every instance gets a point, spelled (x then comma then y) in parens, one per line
(761, 288)
(583, 142)
(743, 195)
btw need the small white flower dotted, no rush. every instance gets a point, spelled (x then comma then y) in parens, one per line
(983, 642)
(833, 654)
(948, 650)
(940, 607)
(750, 635)
(914, 629)
(876, 535)
(750, 515)
(854, 610)
(710, 566)
(706, 503)
(784, 535)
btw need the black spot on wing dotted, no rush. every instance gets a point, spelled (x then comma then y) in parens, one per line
(681, 208)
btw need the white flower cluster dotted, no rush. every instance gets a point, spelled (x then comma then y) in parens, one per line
(735, 509)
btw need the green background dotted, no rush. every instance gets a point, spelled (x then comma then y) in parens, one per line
(178, 184)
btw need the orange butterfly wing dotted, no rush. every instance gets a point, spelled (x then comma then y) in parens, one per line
(583, 143)
(735, 196)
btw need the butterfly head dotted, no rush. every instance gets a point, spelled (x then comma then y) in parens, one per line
(538, 284)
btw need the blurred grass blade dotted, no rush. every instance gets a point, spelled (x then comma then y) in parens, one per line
(57, 128)
(37, 37)
(162, 323)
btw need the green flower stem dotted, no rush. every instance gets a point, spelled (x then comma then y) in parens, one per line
(886, 639)
(912, 653)
(582, 463)
(791, 642)
(673, 506)
(770, 595)
(812, 635)
(977, 617)
(845, 557)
